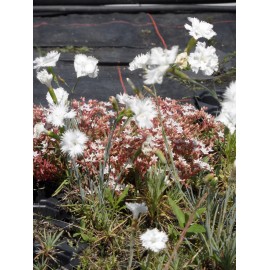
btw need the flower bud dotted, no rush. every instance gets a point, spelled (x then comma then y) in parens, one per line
(148, 90)
(114, 103)
(208, 178)
(161, 156)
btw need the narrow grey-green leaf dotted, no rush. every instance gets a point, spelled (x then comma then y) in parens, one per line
(123, 195)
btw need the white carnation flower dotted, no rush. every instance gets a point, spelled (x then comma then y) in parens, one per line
(137, 209)
(159, 62)
(47, 61)
(204, 59)
(144, 111)
(156, 63)
(154, 240)
(86, 66)
(39, 129)
(140, 61)
(228, 111)
(61, 95)
(58, 113)
(200, 29)
(45, 78)
(73, 143)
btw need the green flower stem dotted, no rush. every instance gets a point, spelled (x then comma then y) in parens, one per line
(191, 44)
(184, 76)
(132, 242)
(53, 96)
(148, 259)
(178, 73)
(73, 89)
(78, 179)
(182, 236)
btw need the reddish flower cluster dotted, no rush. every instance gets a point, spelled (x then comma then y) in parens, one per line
(191, 135)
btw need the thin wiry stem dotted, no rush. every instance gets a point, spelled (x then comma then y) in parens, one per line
(169, 151)
(73, 89)
(190, 220)
(78, 179)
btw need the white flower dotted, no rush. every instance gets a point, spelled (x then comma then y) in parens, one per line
(155, 75)
(124, 99)
(156, 62)
(47, 61)
(144, 111)
(45, 78)
(154, 240)
(200, 29)
(73, 143)
(86, 66)
(162, 57)
(58, 113)
(39, 129)
(154, 159)
(137, 209)
(228, 111)
(140, 61)
(44, 147)
(221, 134)
(61, 95)
(203, 165)
(204, 59)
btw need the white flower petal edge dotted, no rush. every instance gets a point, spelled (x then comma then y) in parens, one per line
(228, 111)
(47, 61)
(86, 66)
(45, 78)
(73, 143)
(140, 61)
(155, 75)
(154, 240)
(200, 29)
(144, 109)
(124, 99)
(204, 59)
(144, 112)
(61, 95)
(161, 57)
(137, 209)
(58, 113)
